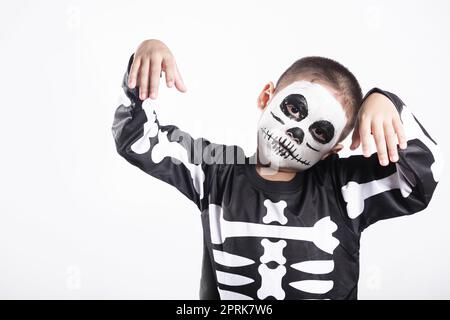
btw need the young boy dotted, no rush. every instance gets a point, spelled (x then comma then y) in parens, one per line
(286, 222)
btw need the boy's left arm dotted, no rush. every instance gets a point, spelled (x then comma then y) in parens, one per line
(393, 181)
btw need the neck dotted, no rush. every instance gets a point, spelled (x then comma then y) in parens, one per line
(272, 174)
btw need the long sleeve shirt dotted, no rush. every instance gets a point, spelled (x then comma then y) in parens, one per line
(297, 239)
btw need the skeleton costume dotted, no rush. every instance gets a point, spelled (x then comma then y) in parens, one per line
(296, 239)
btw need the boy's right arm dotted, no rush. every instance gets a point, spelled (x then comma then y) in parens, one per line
(164, 151)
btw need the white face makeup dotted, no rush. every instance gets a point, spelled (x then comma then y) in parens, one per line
(299, 126)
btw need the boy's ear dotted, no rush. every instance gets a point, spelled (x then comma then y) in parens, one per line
(265, 95)
(338, 147)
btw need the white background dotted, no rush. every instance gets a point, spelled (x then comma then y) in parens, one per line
(78, 221)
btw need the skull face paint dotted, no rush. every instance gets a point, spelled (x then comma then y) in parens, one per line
(299, 126)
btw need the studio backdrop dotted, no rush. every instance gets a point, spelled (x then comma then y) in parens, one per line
(78, 222)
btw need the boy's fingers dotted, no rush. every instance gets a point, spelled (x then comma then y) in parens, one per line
(356, 140)
(400, 131)
(179, 83)
(364, 135)
(133, 73)
(143, 79)
(391, 141)
(378, 134)
(155, 73)
(169, 69)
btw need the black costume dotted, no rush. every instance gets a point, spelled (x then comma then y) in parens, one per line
(285, 240)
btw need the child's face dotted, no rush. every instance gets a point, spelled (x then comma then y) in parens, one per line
(299, 126)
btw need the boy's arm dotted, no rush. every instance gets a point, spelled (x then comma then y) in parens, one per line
(164, 151)
(371, 191)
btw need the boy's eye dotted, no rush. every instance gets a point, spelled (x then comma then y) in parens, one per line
(293, 110)
(322, 131)
(319, 134)
(295, 107)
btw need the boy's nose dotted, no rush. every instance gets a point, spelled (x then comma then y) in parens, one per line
(296, 134)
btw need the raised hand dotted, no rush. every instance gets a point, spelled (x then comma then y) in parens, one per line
(378, 118)
(151, 58)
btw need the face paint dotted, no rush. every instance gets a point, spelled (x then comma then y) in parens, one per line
(299, 126)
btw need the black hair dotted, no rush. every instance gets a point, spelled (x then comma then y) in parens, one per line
(334, 74)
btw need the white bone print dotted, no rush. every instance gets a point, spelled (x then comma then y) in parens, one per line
(232, 279)
(230, 295)
(271, 282)
(356, 193)
(273, 251)
(320, 234)
(313, 286)
(151, 129)
(165, 148)
(271, 279)
(314, 266)
(231, 260)
(275, 211)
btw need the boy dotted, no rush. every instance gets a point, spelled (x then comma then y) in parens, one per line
(286, 222)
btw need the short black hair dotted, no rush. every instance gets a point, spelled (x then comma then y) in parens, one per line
(334, 74)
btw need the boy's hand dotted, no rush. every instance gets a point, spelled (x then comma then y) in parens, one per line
(150, 59)
(379, 117)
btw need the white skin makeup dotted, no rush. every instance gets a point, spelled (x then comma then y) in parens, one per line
(299, 126)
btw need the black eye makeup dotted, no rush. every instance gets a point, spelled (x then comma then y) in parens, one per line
(295, 107)
(322, 131)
